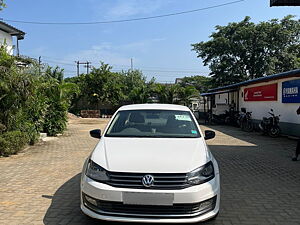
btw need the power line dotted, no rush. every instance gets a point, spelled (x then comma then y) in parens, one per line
(57, 62)
(161, 69)
(124, 20)
(127, 67)
(88, 65)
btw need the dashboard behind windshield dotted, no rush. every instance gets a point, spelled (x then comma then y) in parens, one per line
(153, 124)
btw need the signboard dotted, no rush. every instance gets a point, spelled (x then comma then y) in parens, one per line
(261, 93)
(284, 3)
(291, 91)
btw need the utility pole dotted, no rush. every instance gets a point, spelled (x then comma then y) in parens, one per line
(77, 62)
(18, 50)
(40, 62)
(131, 70)
(131, 63)
(86, 64)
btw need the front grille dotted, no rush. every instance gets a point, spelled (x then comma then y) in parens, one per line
(176, 210)
(161, 180)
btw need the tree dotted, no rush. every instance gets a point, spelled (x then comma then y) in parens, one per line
(201, 83)
(186, 93)
(102, 85)
(245, 50)
(2, 5)
(134, 86)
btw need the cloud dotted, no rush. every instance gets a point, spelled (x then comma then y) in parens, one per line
(114, 54)
(104, 52)
(127, 8)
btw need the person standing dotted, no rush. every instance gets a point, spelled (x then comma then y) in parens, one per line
(297, 152)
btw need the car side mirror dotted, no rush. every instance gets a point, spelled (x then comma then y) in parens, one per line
(95, 133)
(209, 134)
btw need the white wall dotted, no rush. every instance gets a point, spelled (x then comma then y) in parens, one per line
(222, 98)
(6, 38)
(260, 109)
(222, 103)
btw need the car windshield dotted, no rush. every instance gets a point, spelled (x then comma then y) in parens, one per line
(153, 124)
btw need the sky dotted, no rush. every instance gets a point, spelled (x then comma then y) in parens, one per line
(160, 47)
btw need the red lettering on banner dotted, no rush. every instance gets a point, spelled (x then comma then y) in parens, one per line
(261, 93)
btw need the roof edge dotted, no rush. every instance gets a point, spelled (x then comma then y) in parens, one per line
(258, 80)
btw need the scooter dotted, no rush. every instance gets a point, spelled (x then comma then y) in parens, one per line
(270, 125)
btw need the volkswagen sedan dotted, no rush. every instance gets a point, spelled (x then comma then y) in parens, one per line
(151, 164)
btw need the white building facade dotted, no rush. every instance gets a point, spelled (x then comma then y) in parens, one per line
(7, 35)
(280, 92)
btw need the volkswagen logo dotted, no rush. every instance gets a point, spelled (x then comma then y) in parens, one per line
(148, 180)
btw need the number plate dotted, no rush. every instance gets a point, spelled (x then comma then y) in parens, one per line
(137, 198)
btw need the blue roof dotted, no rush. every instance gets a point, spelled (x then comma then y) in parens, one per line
(257, 80)
(218, 92)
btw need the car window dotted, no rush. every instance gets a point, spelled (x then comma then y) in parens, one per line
(153, 123)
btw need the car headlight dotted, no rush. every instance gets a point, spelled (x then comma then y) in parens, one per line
(202, 174)
(96, 172)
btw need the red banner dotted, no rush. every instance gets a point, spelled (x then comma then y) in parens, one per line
(261, 93)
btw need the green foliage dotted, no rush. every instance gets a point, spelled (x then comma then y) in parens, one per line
(201, 83)
(102, 86)
(56, 118)
(245, 50)
(12, 142)
(2, 5)
(31, 103)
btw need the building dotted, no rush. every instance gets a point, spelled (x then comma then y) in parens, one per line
(280, 92)
(178, 80)
(285, 3)
(7, 32)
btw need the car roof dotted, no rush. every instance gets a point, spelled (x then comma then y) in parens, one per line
(152, 106)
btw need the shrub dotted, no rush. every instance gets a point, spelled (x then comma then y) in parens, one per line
(31, 132)
(4, 151)
(31, 102)
(55, 119)
(12, 142)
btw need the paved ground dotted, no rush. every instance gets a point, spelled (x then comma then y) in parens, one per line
(260, 184)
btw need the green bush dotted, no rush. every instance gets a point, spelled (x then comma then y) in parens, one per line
(31, 102)
(55, 119)
(31, 132)
(12, 142)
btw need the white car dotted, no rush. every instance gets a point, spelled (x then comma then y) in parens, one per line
(151, 164)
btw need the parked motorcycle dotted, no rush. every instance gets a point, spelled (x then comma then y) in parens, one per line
(270, 125)
(232, 117)
(218, 119)
(245, 120)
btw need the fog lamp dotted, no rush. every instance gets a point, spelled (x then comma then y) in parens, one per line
(208, 204)
(91, 200)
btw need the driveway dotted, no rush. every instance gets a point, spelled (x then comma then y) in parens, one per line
(260, 183)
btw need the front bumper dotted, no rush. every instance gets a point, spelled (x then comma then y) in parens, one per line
(191, 195)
